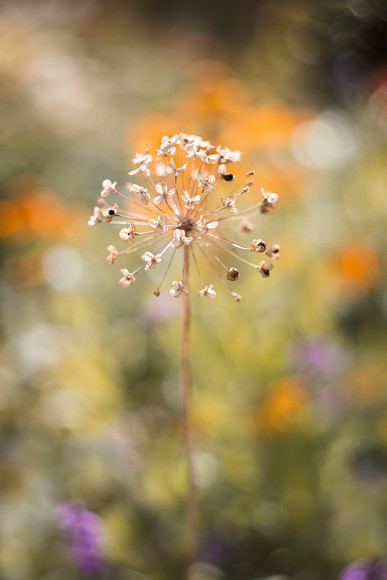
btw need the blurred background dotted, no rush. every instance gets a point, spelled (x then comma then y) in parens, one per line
(290, 399)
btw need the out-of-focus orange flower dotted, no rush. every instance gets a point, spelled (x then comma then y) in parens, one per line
(358, 267)
(31, 212)
(212, 98)
(279, 407)
(147, 130)
(212, 93)
(269, 124)
(221, 107)
(286, 178)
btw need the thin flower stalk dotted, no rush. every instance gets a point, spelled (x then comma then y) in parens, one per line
(191, 501)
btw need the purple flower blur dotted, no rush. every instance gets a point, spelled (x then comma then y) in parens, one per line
(364, 570)
(319, 356)
(212, 548)
(82, 529)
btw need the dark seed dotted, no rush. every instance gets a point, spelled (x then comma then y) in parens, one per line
(232, 274)
(228, 176)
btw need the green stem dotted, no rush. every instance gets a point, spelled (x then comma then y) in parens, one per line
(191, 501)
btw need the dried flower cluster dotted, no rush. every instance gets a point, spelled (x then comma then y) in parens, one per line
(179, 210)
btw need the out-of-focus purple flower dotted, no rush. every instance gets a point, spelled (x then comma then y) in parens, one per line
(321, 361)
(212, 549)
(318, 356)
(82, 529)
(364, 570)
(155, 313)
(349, 72)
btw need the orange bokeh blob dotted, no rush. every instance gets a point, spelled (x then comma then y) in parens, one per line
(268, 124)
(279, 407)
(358, 267)
(33, 212)
(148, 130)
(220, 108)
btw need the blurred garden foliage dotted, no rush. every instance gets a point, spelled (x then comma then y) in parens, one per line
(290, 400)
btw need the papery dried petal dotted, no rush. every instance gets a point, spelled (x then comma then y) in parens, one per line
(127, 278)
(207, 291)
(127, 233)
(113, 253)
(151, 259)
(178, 288)
(108, 187)
(96, 217)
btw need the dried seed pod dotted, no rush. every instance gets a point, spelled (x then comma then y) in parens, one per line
(233, 274)
(258, 246)
(264, 269)
(273, 252)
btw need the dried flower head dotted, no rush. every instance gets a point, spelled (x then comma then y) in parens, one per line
(178, 210)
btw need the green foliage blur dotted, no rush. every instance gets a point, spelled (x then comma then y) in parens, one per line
(290, 400)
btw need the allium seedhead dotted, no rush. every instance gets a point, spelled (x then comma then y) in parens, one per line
(185, 205)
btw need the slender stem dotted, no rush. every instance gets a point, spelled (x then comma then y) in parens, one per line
(191, 501)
